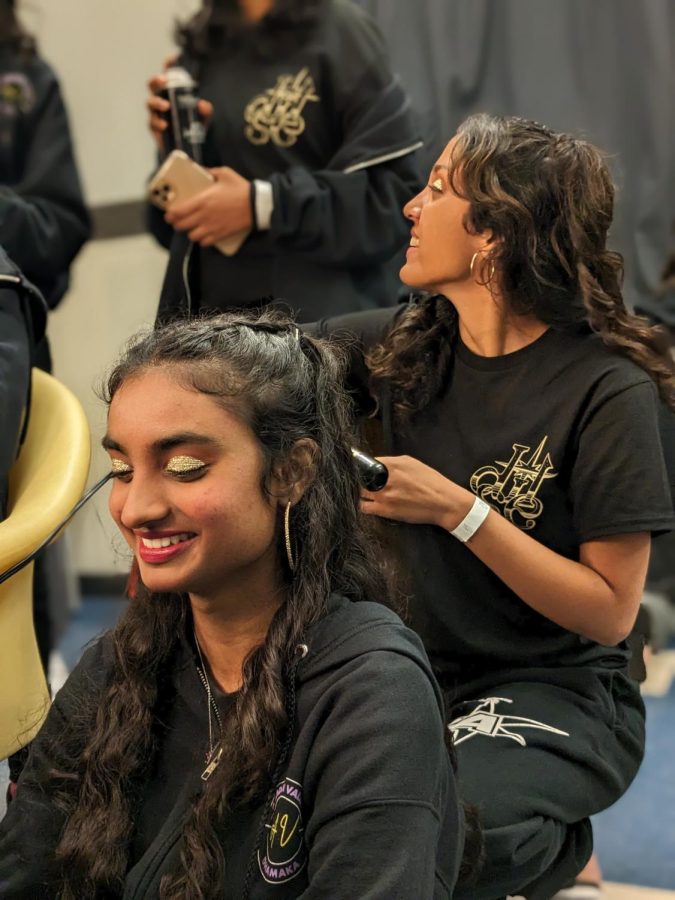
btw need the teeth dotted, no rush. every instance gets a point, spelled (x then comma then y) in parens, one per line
(414, 242)
(158, 543)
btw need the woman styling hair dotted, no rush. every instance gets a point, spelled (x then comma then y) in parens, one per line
(518, 404)
(312, 144)
(245, 730)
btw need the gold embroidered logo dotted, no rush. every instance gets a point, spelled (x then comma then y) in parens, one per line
(514, 485)
(276, 115)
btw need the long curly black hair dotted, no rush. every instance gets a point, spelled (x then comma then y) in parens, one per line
(287, 386)
(548, 199)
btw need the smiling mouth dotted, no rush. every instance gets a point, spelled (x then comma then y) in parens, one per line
(158, 550)
(160, 543)
(414, 242)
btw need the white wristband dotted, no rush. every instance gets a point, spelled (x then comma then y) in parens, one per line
(471, 521)
(264, 204)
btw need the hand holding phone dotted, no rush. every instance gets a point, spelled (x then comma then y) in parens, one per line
(178, 179)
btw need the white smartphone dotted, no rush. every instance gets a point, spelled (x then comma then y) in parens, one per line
(178, 179)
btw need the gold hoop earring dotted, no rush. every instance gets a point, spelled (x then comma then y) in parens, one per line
(287, 536)
(491, 271)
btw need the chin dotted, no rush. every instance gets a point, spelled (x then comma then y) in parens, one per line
(161, 582)
(405, 275)
(411, 277)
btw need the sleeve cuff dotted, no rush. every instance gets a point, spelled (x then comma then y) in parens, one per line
(263, 204)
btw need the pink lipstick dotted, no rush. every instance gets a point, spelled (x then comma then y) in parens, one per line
(160, 546)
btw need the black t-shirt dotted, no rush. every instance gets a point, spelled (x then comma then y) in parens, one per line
(561, 438)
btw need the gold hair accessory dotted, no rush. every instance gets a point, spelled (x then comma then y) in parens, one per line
(491, 272)
(287, 536)
(181, 465)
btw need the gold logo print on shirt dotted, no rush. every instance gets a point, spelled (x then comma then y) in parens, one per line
(276, 115)
(514, 485)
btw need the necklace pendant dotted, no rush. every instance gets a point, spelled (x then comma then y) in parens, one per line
(211, 768)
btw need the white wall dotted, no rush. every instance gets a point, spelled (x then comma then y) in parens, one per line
(104, 51)
(114, 291)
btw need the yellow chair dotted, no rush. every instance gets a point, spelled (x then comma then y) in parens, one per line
(45, 483)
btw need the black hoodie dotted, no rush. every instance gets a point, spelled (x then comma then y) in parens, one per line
(365, 805)
(23, 315)
(43, 219)
(339, 181)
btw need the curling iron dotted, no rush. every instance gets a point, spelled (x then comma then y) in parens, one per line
(372, 473)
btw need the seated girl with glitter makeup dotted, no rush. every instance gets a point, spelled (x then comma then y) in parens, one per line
(259, 723)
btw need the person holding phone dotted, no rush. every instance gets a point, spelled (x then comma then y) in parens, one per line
(312, 144)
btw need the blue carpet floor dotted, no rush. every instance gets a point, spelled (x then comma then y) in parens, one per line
(635, 838)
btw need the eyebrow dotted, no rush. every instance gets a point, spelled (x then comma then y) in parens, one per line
(167, 443)
(439, 167)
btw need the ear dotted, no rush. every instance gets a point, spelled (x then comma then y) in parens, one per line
(490, 240)
(293, 475)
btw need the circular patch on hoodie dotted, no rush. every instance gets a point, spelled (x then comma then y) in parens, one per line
(17, 94)
(285, 852)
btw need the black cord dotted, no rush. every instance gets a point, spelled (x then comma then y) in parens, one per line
(50, 537)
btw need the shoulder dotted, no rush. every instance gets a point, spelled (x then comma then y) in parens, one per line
(598, 361)
(71, 715)
(89, 677)
(365, 637)
(349, 17)
(367, 327)
(351, 36)
(595, 373)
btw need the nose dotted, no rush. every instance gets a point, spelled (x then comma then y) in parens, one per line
(413, 207)
(140, 503)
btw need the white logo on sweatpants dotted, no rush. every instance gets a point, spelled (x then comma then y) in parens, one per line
(484, 720)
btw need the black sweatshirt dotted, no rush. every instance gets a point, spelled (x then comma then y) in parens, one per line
(365, 806)
(43, 220)
(22, 323)
(330, 128)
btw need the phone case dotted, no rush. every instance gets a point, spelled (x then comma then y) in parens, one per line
(180, 178)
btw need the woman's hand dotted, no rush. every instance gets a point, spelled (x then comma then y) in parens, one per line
(597, 596)
(417, 494)
(218, 211)
(158, 107)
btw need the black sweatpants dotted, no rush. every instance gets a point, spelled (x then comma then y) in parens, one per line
(539, 751)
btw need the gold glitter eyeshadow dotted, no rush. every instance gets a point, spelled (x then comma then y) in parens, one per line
(181, 465)
(119, 467)
(437, 184)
